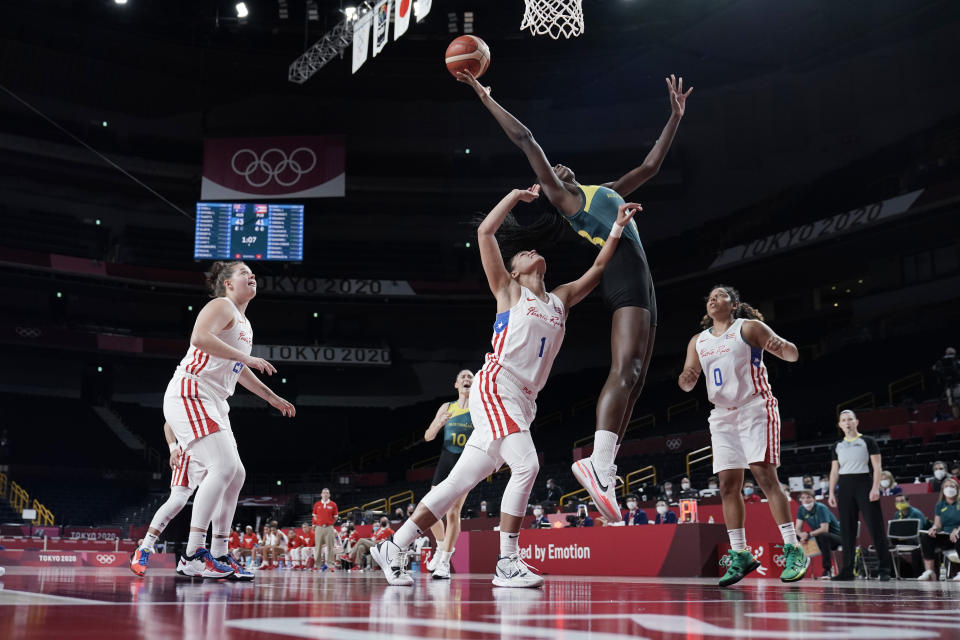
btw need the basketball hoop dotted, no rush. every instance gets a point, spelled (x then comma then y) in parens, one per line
(553, 17)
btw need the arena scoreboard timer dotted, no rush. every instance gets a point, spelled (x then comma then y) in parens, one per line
(242, 231)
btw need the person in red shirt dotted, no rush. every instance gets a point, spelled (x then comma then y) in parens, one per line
(380, 533)
(324, 517)
(306, 551)
(248, 545)
(750, 493)
(233, 544)
(294, 548)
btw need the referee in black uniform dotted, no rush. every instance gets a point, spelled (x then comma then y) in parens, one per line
(857, 491)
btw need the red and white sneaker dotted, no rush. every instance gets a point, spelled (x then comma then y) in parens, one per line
(202, 565)
(139, 560)
(601, 484)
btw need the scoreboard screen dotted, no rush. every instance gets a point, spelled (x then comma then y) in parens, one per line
(242, 231)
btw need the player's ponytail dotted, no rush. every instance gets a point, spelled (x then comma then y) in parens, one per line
(220, 272)
(740, 309)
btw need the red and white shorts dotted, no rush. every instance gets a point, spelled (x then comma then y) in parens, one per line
(499, 406)
(189, 474)
(192, 410)
(746, 434)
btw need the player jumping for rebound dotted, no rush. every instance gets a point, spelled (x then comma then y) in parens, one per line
(527, 334)
(745, 421)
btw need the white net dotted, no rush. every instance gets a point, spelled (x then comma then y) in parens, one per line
(553, 17)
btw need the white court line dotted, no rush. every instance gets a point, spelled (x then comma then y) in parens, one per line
(61, 600)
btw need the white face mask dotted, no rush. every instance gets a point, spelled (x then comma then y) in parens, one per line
(483, 507)
(809, 505)
(712, 486)
(748, 491)
(884, 483)
(950, 492)
(940, 474)
(631, 505)
(684, 485)
(824, 484)
(668, 491)
(662, 509)
(538, 512)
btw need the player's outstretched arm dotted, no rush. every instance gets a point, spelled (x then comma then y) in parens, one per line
(498, 278)
(651, 164)
(249, 381)
(760, 336)
(691, 367)
(521, 136)
(573, 292)
(443, 414)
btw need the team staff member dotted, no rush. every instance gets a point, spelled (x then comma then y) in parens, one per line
(824, 527)
(634, 515)
(906, 511)
(945, 532)
(324, 517)
(857, 492)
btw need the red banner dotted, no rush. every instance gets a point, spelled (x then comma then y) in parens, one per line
(274, 168)
(104, 559)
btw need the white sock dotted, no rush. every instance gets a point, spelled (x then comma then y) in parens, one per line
(604, 449)
(218, 546)
(195, 540)
(407, 534)
(738, 539)
(509, 543)
(149, 541)
(788, 532)
(443, 556)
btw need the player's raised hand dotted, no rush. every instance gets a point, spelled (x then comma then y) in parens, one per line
(528, 195)
(261, 365)
(626, 212)
(678, 99)
(467, 77)
(281, 405)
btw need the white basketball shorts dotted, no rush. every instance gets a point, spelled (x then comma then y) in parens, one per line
(746, 434)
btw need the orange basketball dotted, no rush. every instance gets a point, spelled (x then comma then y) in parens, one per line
(468, 52)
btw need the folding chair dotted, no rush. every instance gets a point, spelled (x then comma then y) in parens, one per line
(904, 536)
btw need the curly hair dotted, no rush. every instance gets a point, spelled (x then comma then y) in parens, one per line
(740, 309)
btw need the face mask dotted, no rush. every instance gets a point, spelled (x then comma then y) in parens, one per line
(685, 486)
(748, 491)
(662, 509)
(884, 483)
(631, 505)
(824, 484)
(950, 492)
(375, 527)
(809, 505)
(902, 506)
(668, 491)
(483, 508)
(939, 474)
(538, 512)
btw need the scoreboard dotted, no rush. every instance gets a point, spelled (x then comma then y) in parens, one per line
(245, 231)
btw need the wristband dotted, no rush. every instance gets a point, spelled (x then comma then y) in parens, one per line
(616, 230)
(174, 445)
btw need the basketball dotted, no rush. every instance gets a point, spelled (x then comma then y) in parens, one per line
(468, 53)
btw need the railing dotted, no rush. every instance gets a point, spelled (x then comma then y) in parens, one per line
(648, 420)
(682, 407)
(3, 485)
(350, 510)
(44, 516)
(635, 476)
(426, 462)
(863, 401)
(380, 502)
(343, 466)
(698, 456)
(408, 494)
(503, 468)
(563, 498)
(583, 440)
(19, 498)
(906, 383)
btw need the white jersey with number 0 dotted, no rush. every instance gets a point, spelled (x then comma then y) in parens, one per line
(220, 374)
(734, 371)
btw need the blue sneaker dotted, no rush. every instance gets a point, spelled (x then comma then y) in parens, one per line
(139, 560)
(239, 573)
(202, 565)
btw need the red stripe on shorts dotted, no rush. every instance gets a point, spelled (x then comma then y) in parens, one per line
(186, 407)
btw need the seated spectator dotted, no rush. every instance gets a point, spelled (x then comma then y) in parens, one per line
(823, 488)
(664, 515)
(945, 532)
(540, 520)
(939, 475)
(581, 519)
(888, 485)
(667, 493)
(554, 491)
(634, 515)
(713, 488)
(906, 511)
(410, 509)
(687, 492)
(823, 526)
(397, 515)
(808, 483)
(750, 492)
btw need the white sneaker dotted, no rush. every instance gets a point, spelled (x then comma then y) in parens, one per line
(2, 571)
(202, 565)
(434, 560)
(955, 578)
(389, 556)
(442, 572)
(514, 572)
(928, 575)
(602, 488)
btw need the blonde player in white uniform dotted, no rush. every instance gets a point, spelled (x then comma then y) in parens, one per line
(195, 406)
(527, 334)
(745, 420)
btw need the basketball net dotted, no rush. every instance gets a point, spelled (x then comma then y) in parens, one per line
(553, 17)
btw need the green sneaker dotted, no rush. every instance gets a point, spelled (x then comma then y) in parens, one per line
(741, 564)
(795, 563)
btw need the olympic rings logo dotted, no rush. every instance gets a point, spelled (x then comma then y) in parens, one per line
(105, 558)
(273, 164)
(674, 443)
(28, 332)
